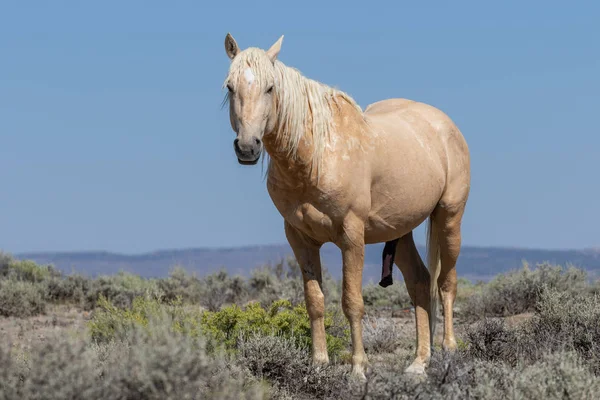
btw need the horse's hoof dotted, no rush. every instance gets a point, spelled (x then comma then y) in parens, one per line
(320, 360)
(415, 369)
(358, 375)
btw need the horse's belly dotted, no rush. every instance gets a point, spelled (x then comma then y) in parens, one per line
(393, 219)
(379, 229)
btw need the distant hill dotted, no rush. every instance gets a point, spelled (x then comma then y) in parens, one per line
(475, 263)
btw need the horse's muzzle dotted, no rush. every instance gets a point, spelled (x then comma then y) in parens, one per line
(248, 151)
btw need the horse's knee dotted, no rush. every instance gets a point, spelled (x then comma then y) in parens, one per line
(447, 282)
(315, 303)
(353, 306)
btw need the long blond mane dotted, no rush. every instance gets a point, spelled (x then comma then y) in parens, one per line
(303, 104)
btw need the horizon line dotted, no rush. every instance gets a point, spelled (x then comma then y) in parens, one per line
(280, 244)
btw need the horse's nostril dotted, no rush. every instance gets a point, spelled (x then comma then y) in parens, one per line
(257, 140)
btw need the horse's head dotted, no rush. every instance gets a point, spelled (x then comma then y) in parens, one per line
(250, 83)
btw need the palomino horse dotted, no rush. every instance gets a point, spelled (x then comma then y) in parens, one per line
(338, 174)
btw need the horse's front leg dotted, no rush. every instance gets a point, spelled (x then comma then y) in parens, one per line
(307, 254)
(352, 244)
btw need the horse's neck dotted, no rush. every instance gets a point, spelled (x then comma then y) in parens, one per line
(287, 170)
(299, 168)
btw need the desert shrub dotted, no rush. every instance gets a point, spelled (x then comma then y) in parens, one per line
(465, 291)
(561, 375)
(554, 376)
(71, 288)
(283, 281)
(448, 377)
(562, 322)
(552, 355)
(264, 286)
(110, 322)
(25, 270)
(376, 296)
(21, 298)
(58, 287)
(492, 340)
(120, 289)
(5, 260)
(155, 363)
(231, 323)
(270, 283)
(380, 335)
(223, 328)
(519, 291)
(174, 366)
(219, 289)
(566, 322)
(182, 285)
(289, 367)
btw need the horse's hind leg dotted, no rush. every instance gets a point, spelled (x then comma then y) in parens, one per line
(448, 221)
(416, 278)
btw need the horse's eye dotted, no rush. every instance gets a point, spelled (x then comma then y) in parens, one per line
(270, 89)
(230, 88)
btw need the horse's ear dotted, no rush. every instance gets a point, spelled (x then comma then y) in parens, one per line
(231, 46)
(274, 50)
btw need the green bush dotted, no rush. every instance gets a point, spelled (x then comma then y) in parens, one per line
(110, 322)
(224, 327)
(281, 319)
(21, 298)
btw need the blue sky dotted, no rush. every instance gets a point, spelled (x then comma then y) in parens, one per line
(112, 136)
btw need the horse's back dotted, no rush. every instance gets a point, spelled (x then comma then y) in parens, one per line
(399, 107)
(411, 111)
(388, 105)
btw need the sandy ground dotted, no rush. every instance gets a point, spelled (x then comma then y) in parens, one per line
(22, 333)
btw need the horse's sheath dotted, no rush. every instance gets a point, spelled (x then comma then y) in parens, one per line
(389, 252)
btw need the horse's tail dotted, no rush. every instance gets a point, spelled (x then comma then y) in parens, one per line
(434, 266)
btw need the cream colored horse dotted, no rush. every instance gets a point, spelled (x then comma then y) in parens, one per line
(338, 174)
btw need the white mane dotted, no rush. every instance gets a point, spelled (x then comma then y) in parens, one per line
(302, 103)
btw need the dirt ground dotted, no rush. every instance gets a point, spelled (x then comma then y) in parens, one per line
(22, 333)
